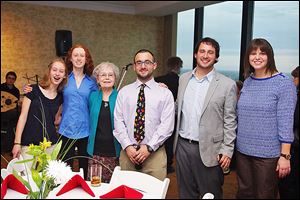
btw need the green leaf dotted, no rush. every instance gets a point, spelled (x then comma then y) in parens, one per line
(36, 178)
(24, 161)
(49, 186)
(20, 178)
(34, 150)
(34, 195)
(56, 150)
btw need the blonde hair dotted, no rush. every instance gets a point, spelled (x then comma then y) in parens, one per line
(45, 82)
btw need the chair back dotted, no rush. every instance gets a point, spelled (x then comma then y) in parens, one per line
(20, 168)
(139, 181)
(12, 165)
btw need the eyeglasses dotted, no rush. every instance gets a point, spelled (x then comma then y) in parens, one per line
(147, 63)
(106, 75)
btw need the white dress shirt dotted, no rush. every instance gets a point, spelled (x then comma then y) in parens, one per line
(159, 114)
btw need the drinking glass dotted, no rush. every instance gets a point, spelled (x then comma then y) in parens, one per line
(95, 174)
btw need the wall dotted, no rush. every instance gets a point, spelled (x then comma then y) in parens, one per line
(28, 37)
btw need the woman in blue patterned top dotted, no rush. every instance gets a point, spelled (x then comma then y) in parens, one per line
(289, 185)
(265, 124)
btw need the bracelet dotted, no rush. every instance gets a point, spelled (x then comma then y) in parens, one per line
(16, 143)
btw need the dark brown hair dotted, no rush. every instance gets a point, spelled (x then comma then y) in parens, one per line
(210, 41)
(89, 65)
(45, 82)
(143, 51)
(295, 72)
(264, 46)
(174, 63)
(12, 74)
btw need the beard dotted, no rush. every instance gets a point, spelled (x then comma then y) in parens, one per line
(145, 77)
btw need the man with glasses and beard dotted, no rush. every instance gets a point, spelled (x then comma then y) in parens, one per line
(144, 119)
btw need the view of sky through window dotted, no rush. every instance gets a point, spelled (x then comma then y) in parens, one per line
(276, 21)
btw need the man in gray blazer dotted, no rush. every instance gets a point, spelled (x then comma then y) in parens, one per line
(205, 134)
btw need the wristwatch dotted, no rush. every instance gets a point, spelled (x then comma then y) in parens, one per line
(286, 156)
(150, 150)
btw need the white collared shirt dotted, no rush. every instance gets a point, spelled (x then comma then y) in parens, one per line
(159, 114)
(192, 105)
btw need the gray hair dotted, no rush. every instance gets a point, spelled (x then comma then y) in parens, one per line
(107, 64)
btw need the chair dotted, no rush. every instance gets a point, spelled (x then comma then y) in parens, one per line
(20, 168)
(151, 186)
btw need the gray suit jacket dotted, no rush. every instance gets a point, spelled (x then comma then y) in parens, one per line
(218, 118)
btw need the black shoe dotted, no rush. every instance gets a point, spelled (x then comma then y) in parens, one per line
(170, 170)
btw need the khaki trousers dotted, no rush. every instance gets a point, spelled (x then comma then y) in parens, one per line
(155, 165)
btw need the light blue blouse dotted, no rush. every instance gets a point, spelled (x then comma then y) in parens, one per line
(75, 114)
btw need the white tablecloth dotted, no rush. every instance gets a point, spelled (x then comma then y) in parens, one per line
(76, 193)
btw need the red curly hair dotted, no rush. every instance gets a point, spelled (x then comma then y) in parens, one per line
(89, 64)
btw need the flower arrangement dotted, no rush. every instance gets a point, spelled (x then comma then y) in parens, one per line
(46, 171)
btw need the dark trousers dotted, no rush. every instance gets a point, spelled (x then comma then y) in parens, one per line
(257, 177)
(9, 121)
(193, 177)
(289, 186)
(68, 147)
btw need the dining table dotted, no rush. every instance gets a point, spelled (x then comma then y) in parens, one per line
(76, 193)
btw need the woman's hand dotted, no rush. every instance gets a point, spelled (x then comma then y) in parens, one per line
(162, 85)
(283, 167)
(27, 88)
(16, 151)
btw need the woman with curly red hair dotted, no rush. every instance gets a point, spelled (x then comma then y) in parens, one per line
(74, 123)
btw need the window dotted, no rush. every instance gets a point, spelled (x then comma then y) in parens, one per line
(222, 22)
(278, 22)
(185, 38)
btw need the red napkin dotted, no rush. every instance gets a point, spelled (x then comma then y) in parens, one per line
(13, 183)
(122, 191)
(75, 181)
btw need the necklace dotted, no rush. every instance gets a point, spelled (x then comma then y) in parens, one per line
(105, 104)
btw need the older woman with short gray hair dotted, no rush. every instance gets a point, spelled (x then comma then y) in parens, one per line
(103, 66)
(102, 145)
